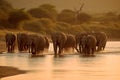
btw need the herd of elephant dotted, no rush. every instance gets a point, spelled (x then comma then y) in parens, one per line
(85, 43)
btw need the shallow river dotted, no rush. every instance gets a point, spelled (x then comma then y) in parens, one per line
(104, 66)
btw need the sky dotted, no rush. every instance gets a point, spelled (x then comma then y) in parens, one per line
(92, 6)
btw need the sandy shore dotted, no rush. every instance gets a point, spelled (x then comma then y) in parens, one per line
(6, 71)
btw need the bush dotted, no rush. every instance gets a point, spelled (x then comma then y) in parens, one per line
(67, 16)
(83, 18)
(42, 25)
(16, 17)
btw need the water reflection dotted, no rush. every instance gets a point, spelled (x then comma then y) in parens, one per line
(73, 67)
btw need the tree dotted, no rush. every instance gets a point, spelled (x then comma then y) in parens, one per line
(39, 13)
(51, 9)
(83, 17)
(43, 25)
(16, 17)
(44, 11)
(5, 8)
(67, 16)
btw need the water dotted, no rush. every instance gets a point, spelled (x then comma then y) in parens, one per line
(104, 66)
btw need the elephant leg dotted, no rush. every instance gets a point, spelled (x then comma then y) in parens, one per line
(18, 47)
(55, 49)
(99, 48)
(13, 47)
(8, 48)
(33, 50)
(104, 46)
(88, 51)
(80, 49)
(83, 50)
(73, 49)
(93, 50)
(29, 49)
(60, 49)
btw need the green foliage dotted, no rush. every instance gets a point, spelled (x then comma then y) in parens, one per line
(43, 25)
(83, 17)
(39, 13)
(106, 18)
(5, 8)
(16, 17)
(67, 16)
(51, 9)
(44, 11)
(110, 16)
(62, 26)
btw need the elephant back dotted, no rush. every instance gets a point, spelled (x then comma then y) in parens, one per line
(91, 41)
(80, 36)
(38, 42)
(58, 37)
(101, 37)
(70, 42)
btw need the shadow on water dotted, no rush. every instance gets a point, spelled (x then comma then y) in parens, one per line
(34, 56)
(86, 56)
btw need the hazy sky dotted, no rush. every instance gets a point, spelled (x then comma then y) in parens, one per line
(90, 5)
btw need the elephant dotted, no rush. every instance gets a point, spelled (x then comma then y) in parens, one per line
(88, 44)
(58, 39)
(22, 40)
(101, 38)
(78, 38)
(70, 42)
(10, 42)
(38, 44)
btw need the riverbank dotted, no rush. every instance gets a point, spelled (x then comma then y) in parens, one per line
(6, 71)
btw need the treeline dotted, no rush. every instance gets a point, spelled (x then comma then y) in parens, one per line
(46, 19)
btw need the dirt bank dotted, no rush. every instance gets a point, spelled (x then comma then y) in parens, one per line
(6, 71)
